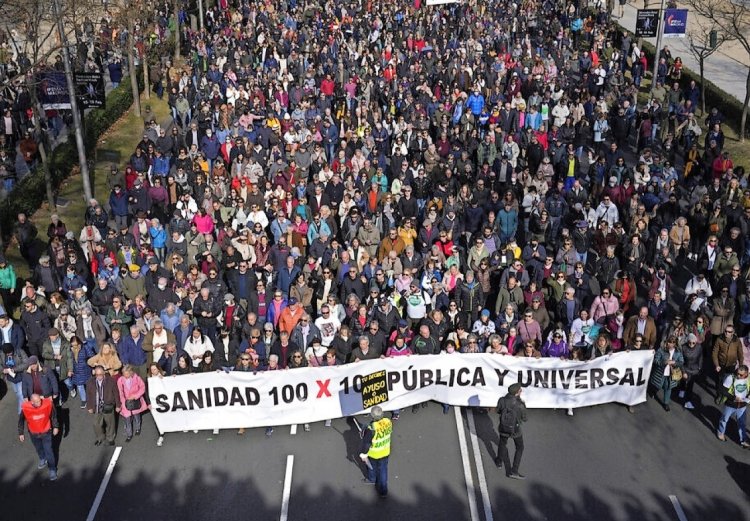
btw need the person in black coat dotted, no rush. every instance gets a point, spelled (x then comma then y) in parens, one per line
(516, 415)
(226, 349)
(284, 348)
(343, 344)
(35, 323)
(352, 284)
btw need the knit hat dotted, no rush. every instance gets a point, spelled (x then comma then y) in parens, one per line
(514, 388)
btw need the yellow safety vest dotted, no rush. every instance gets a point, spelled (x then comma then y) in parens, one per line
(381, 439)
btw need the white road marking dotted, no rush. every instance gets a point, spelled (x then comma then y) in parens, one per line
(287, 488)
(103, 486)
(480, 467)
(470, 490)
(293, 429)
(678, 508)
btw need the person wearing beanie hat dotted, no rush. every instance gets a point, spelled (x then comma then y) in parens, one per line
(38, 379)
(375, 450)
(512, 412)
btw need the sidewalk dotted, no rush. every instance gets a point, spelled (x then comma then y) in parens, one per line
(724, 68)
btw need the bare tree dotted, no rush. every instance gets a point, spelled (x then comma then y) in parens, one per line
(732, 18)
(34, 20)
(701, 46)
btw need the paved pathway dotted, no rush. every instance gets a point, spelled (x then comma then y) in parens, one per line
(726, 68)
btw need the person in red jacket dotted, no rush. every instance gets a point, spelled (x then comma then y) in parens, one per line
(40, 417)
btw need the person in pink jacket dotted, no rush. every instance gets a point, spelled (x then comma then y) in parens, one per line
(131, 387)
(204, 222)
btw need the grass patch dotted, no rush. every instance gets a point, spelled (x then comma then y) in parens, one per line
(122, 137)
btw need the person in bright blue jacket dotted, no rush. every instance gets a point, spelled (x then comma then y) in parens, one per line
(211, 147)
(159, 165)
(475, 103)
(118, 205)
(158, 239)
(507, 219)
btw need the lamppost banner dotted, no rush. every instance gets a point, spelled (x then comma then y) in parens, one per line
(675, 23)
(53, 91)
(647, 23)
(90, 89)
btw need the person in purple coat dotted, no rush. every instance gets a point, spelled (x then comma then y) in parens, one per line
(556, 346)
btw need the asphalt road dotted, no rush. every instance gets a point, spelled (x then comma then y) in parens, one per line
(603, 463)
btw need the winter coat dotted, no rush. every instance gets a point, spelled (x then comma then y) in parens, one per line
(298, 338)
(136, 392)
(118, 203)
(693, 359)
(48, 382)
(660, 362)
(7, 278)
(727, 353)
(110, 392)
(66, 357)
(81, 369)
(16, 335)
(131, 350)
(18, 361)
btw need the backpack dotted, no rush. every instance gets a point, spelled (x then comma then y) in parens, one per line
(508, 419)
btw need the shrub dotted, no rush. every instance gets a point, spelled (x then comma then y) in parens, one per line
(30, 192)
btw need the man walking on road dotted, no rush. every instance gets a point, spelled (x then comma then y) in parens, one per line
(736, 397)
(106, 397)
(375, 450)
(512, 412)
(40, 416)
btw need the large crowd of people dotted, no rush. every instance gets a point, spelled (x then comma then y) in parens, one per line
(356, 180)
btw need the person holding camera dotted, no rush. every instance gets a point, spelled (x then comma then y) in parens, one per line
(103, 400)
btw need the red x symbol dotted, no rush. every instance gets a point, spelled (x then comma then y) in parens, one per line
(323, 388)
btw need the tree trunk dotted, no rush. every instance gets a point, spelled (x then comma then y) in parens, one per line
(177, 34)
(35, 106)
(744, 107)
(131, 70)
(701, 61)
(146, 82)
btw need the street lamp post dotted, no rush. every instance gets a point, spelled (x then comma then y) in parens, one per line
(659, 35)
(77, 125)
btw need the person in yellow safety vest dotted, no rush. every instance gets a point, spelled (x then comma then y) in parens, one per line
(375, 450)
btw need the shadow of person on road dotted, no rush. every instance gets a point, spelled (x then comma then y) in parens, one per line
(487, 432)
(740, 473)
(353, 439)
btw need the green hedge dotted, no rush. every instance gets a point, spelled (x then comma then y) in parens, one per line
(727, 104)
(30, 192)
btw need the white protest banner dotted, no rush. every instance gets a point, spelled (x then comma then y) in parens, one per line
(306, 395)
(438, 2)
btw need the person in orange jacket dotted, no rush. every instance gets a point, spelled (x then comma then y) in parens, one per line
(39, 415)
